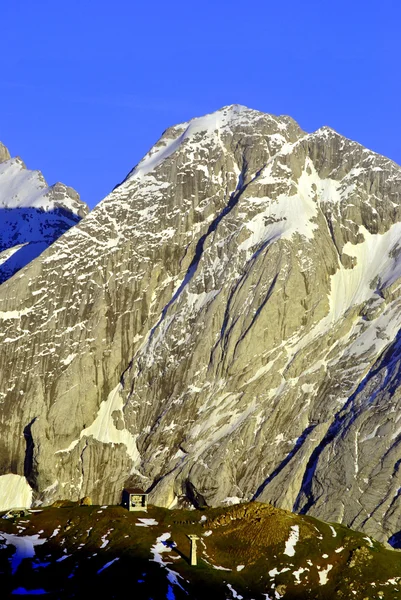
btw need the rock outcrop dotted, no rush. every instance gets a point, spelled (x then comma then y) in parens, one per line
(223, 326)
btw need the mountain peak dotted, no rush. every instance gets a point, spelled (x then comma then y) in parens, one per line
(216, 128)
(23, 188)
(214, 330)
(33, 214)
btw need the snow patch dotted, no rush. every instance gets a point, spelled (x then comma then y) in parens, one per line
(15, 492)
(104, 430)
(292, 541)
(68, 359)
(146, 522)
(275, 571)
(234, 593)
(286, 215)
(323, 579)
(108, 565)
(354, 286)
(24, 547)
(333, 531)
(219, 568)
(230, 500)
(14, 314)
(104, 539)
(297, 574)
(161, 546)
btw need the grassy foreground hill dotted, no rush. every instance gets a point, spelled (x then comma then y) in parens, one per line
(246, 551)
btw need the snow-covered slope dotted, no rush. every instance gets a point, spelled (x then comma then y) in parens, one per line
(32, 215)
(223, 326)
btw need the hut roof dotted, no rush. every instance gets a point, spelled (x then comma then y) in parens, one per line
(135, 491)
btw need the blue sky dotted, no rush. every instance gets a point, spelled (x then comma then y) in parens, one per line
(87, 87)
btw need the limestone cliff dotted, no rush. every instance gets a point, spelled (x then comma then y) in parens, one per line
(223, 326)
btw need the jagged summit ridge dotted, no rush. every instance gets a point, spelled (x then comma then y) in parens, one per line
(32, 214)
(209, 126)
(208, 329)
(23, 188)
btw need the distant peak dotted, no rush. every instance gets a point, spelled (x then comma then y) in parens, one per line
(326, 131)
(25, 188)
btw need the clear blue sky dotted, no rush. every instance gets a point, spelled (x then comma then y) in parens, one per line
(87, 87)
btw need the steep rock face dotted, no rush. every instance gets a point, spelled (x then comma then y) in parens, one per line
(32, 215)
(217, 328)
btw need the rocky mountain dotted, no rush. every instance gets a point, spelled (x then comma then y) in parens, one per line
(224, 326)
(32, 215)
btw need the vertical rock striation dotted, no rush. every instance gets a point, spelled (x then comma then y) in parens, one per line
(223, 326)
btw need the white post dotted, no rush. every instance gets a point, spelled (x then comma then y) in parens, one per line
(193, 539)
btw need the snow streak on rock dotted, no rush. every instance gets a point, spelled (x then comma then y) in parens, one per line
(223, 326)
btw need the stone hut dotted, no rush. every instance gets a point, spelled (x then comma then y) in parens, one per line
(135, 499)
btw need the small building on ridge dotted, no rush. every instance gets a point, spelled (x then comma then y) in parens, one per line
(135, 499)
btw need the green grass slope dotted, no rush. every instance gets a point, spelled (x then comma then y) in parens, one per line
(247, 551)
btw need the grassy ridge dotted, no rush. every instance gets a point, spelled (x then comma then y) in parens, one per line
(248, 550)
